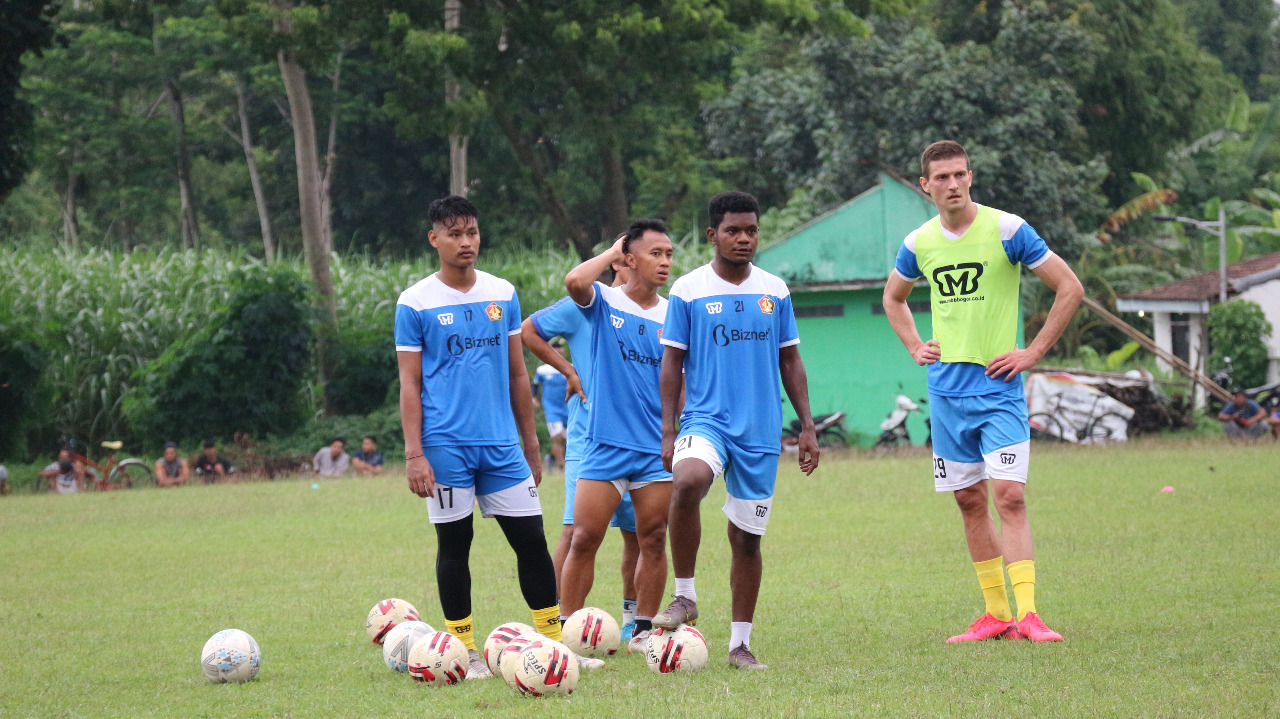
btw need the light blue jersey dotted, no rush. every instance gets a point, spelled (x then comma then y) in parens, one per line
(732, 335)
(553, 386)
(967, 379)
(564, 319)
(627, 356)
(466, 395)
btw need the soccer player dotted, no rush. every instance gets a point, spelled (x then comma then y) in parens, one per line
(564, 319)
(970, 256)
(465, 404)
(730, 328)
(623, 452)
(551, 384)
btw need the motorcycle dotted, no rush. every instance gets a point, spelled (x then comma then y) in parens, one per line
(829, 428)
(894, 432)
(1267, 395)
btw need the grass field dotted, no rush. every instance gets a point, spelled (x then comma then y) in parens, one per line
(1169, 601)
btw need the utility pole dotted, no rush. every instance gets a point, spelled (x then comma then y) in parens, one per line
(452, 92)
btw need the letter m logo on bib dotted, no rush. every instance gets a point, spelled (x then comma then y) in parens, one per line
(962, 278)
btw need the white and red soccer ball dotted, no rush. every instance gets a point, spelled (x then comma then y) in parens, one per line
(592, 632)
(546, 668)
(498, 640)
(385, 615)
(398, 642)
(439, 658)
(683, 650)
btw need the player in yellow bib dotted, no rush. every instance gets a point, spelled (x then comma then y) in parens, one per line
(970, 256)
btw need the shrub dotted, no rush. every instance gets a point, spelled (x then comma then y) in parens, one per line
(244, 372)
(26, 405)
(1238, 329)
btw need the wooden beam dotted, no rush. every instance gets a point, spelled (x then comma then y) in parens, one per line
(1149, 344)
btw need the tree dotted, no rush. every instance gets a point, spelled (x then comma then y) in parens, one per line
(1239, 329)
(1237, 32)
(25, 26)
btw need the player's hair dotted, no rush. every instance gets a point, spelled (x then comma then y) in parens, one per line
(447, 211)
(941, 150)
(732, 201)
(638, 228)
(371, 438)
(343, 440)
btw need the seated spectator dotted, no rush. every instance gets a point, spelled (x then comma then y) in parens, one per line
(332, 461)
(211, 466)
(4, 480)
(1274, 421)
(1242, 418)
(172, 470)
(368, 461)
(65, 475)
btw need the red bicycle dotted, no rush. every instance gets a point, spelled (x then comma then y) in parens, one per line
(111, 473)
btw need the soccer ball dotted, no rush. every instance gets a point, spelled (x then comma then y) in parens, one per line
(509, 657)
(681, 650)
(592, 632)
(231, 656)
(546, 667)
(398, 642)
(385, 615)
(499, 638)
(438, 658)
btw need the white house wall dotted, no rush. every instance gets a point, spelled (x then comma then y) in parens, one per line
(1267, 295)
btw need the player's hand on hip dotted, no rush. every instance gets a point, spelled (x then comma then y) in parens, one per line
(533, 455)
(575, 387)
(927, 353)
(422, 479)
(808, 451)
(668, 450)
(1010, 364)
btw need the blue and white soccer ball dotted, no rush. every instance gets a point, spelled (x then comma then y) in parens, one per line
(398, 642)
(231, 656)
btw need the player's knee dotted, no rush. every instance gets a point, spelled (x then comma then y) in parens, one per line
(971, 500)
(687, 492)
(1011, 502)
(453, 539)
(743, 544)
(653, 540)
(585, 539)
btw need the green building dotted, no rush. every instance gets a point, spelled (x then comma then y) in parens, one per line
(836, 266)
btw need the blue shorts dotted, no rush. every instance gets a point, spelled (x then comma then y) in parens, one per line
(487, 469)
(749, 475)
(624, 517)
(979, 437)
(604, 462)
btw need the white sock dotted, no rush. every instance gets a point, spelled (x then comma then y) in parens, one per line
(628, 611)
(684, 588)
(739, 635)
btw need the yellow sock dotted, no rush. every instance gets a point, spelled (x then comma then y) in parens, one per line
(991, 579)
(1023, 576)
(547, 622)
(462, 630)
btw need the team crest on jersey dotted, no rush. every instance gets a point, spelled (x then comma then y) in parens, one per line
(766, 305)
(445, 318)
(617, 321)
(494, 310)
(715, 308)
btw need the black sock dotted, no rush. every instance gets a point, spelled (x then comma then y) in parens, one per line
(643, 625)
(453, 571)
(533, 562)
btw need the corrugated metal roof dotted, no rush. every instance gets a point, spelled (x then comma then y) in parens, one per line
(855, 242)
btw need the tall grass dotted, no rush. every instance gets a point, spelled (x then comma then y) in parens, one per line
(101, 315)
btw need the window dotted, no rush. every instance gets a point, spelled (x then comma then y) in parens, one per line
(1179, 322)
(820, 311)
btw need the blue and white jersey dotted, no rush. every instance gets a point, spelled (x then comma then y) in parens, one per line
(1022, 244)
(564, 319)
(463, 336)
(732, 334)
(626, 340)
(553, 386)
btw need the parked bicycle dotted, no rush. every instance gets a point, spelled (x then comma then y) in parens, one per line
(111, 473)
(1053, 423)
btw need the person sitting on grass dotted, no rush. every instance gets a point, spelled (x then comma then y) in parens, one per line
(1274, 421)
(211, 466)
(1242, 418)
(332, 461)
(66, 475)
(368, 461)
(172, 470)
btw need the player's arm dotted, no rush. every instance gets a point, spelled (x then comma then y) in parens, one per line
(896, 291)
(580, 280)
(543, 350)
(422, 480)
(1057, 276)
(184, 471)
(671, 391)
(522, 405)
(79, 472)
(796, 381)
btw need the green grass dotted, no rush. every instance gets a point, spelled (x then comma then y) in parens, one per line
(1168, 601)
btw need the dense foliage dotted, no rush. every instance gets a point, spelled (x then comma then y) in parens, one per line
(1239, 330)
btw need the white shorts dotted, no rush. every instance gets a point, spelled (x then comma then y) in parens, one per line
(555, 429)
(753, 480)
(453, 503)
(1009, 463)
